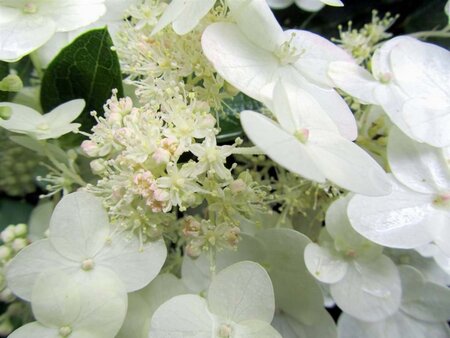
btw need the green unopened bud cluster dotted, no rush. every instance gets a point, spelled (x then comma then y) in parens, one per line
(14, 239)
(17, 165)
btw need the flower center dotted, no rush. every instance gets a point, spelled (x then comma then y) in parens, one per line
(385, 78)
(442, 201)
(30, 8)
(287, 53)
(302, 135)
(225, 331)
(43, 126)
(65, 331)
(87, 264)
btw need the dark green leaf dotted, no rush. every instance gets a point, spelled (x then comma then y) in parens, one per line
(4, 71)
(13, 212)
(88, 68)
(230, 126)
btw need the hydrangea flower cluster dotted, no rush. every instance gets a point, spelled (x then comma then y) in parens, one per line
(336, 194)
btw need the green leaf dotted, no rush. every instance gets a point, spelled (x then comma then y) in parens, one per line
(88, 68)
(230, 126)
(13, 212)
(4, 71)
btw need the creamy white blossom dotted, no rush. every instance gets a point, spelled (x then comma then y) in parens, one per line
(80, 242)
(306, 141)
(363, 282)
(240, 303)
(417, 212)
(410, 80)
(25, 120)
(65, 307)
(254, 53)
(26, 25)
(423, 313)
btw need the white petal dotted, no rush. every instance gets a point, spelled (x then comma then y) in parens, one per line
(195, 273)
(296, 291)
(424, 300)
(79, 226)
(64, 113)
(242, 291)
(192, 13)
(161, 289)
(171, 13)
(317, 54)
(182, 316)
(429, 120)
(30, 262)
(346, 164)
(399, 220)
(103, 303)
(370, 291)
(255, 329)
(381, 63)
(137, 320)
(289, 327)
(391, 99)
(23, 119)
(334, 105)
(421, 69)
(346, 239)
(47, 52)
(9, 14)
(295, 108)
(324, 264)
(354, 80)
(280, 4)
(247, 67)
(398, 325)
(115, 9)
(39, 220)
(310, 5)
(72, 14)
(337, 3)
(55, 299)
(420, 167)
(135, 265)
(257, 22)
(35, 329)
(23, 35)
(279, 145)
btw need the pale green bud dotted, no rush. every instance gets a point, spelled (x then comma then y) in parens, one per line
(11, 83)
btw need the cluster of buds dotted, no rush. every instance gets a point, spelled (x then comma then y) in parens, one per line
(14, 238)
(204, 236)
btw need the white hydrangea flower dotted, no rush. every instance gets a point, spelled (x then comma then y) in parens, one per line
(423, 313)
(240, 303)
(363, 282)
(254, 53)
(25, 120)
(411, 81)
(307, 5)
(417, 212)
(299, 310)
(307, 142)
(66, 307)
(143, 303)
(25, 25)
(184, 15)
(80, 242)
